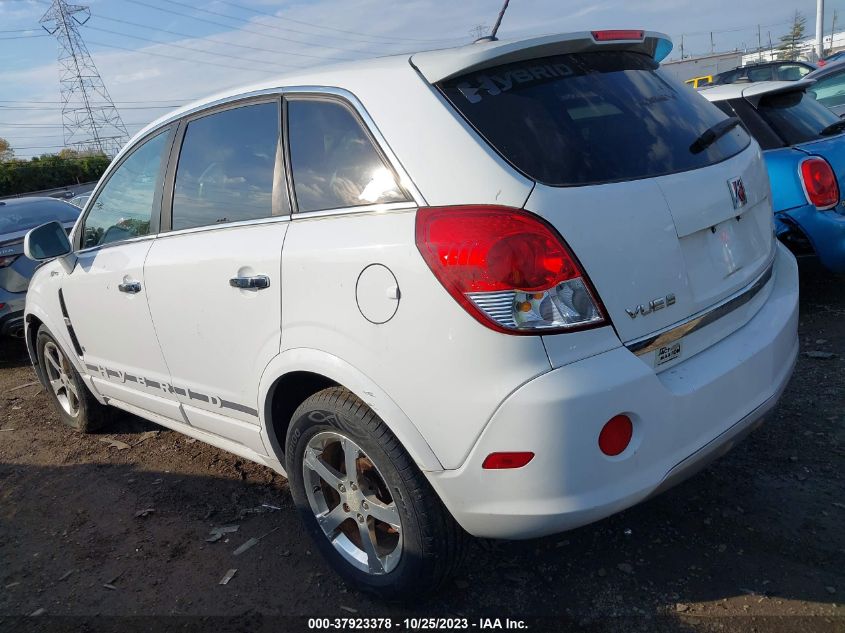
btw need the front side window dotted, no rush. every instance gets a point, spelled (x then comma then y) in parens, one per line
(588, 118)
(227, 167)
(830, 90)
(333, 160)
(124, 207)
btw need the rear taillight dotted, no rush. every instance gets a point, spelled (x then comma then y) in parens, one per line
(819, 182)
(508, 269)
(8, 260)
(612, 35)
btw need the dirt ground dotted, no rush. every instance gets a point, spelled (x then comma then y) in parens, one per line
(754, 543)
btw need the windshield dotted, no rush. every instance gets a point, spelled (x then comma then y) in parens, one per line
(796, 116)
(591, 118)
(20, 215)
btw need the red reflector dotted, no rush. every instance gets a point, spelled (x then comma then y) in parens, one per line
(820, 183)
(616, 435)
(498, 461)
(606, 36)
(2, 305)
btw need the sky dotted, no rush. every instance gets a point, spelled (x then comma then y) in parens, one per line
(154, 55)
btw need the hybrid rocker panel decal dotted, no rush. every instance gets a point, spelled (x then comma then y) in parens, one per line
(109, 374)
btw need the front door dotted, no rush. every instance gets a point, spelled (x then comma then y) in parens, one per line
(106, 294)
(214, 281)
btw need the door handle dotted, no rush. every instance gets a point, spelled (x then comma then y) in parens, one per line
(131, 287)
(257, 282)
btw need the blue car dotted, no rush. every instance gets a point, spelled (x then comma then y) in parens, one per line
(804, 150)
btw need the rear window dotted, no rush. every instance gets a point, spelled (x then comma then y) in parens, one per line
(796, 116)
(20, 216)
(590, 118)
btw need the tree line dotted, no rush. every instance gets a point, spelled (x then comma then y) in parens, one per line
(47, 171)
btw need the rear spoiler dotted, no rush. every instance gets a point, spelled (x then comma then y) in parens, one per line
(754, 94)
(447, 63)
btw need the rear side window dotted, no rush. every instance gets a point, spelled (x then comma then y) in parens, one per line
(830, 90)
(333, 160)
(759, 74)
(590, 118)
(792, 72)
(226, 168)
(797, 117)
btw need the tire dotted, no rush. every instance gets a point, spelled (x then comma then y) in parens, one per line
(417, 542)
(76, 407)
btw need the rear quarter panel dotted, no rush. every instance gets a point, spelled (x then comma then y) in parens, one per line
(443, 369)
(782, 165)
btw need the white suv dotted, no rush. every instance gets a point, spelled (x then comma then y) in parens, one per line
(505, 289)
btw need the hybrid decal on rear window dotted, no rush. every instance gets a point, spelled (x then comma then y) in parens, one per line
(497, 84)
(591, 117)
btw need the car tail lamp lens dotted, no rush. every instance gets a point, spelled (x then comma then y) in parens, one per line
(611, 35)
(2, 305)
(501, 461)
(820, 183)
(616, 435)
(507, 268)
(8, 260)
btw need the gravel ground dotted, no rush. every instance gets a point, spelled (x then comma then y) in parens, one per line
(89, 531)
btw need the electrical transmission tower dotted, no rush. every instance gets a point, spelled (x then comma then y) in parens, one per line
(90, 121)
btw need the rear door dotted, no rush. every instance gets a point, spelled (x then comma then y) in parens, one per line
(214, 278)
(664, 230)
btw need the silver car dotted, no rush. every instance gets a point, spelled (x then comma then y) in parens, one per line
(17, 216)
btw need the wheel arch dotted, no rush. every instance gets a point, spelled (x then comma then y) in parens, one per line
(296, 374)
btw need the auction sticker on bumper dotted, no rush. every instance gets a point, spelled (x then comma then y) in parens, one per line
(667, 353)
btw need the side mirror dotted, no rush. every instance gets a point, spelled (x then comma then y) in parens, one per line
(46, 242)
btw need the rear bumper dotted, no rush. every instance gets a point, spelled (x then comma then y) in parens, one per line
(826, 232)
(683, 417)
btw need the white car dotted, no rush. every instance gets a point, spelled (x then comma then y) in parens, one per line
(506, 289)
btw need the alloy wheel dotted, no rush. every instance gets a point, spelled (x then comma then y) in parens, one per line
(352, 503)
(61, 379)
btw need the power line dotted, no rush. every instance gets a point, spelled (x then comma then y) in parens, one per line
(249, 59)
(23, 37)
(328, 28)
(229, 26)
(180, 59)
(41, 109)
(54, 102)
(202, 52)
(213, 39)
(17, 149)
(53, 125)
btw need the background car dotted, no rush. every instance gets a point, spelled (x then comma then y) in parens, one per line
(835, 57)
(804, 150)
(700, 82)
(79, 201)
(829, 86)
(17, 216)
(765, 71)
